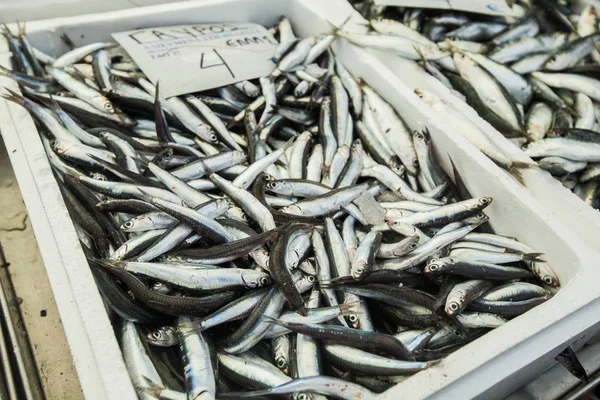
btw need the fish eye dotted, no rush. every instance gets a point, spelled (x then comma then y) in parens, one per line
(353, 318)
(433, 267)
(548, 280)
(128, 224)
(213, 138)
(157, 335)
(415, 162)
(263, 281)
(273, 185)
(453, 306)
(481, 215)
(281, 363)
(419, 136)
(302, 396)
(310, 278)
(413, 245)
(484, 200)
(167, 155)
(457, 333)
(108, 106)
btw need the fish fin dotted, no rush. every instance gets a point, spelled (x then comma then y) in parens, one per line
(151, 388)
(533, 257)
(144, 195)
(99, 160)
(512, 251)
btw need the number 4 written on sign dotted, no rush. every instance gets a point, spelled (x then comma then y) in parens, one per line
(214, 59)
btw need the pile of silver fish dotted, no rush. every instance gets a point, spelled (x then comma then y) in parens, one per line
(288, 235)
(534, 77)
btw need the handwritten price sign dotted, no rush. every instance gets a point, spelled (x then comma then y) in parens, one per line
(191, 58)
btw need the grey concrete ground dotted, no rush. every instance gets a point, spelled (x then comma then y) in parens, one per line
(40, 315)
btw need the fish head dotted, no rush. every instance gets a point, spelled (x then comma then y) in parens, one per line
(550, 280)
(485, 201)
(428, 98)
(56, 145)
(282, 362)
(357, 271)
(463, 61)
(255, 280)
(557, 62)
(397, 167)
(452, 308)
(435, 266)
(164, 337)
(102, 103)
(280, 187)
(98, 176)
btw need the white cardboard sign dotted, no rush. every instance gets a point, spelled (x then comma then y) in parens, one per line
(493, 7)
(191, 58)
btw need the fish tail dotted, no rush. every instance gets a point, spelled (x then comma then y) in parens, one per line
(533, 257)
(332, 283)
(5, 29)
(514, 171)
(334, 29)
(4, 71)
(53, 104)
(524, 164)
(349, 308)
(67, 40)
(13, 96)
(21, 28)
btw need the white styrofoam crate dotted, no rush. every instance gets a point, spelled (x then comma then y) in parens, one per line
(29, 10)
(490, 367)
